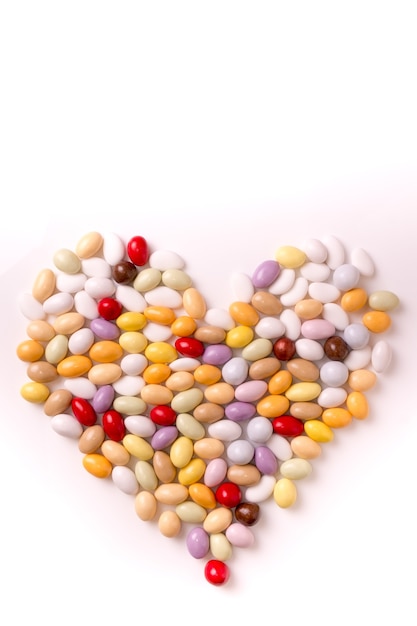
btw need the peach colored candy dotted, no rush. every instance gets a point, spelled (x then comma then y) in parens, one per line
(208, 412)
(146, 506)
(210, 334)
(183, 326)
(105, 351)
(115, 452)
(58, 402)
(272, 406)
(68, 323)
(40, 330)
(209, 448)
(305, 448)
(219, 393)
(169, 524)
(89, 245)
(172, 493)
(44, 285)
(244, 475)
(207, 374)
(91, 439)
(244, 313)
(75, 365)
(180, 381)
(163, 467)
(156, 394)
(156, 373)
(218, 520)
(160, 315)
(308, 309)
(361, 380)
(266, 303)
(194, 303)
(264, 368)
(357, 404)
(104, 373)
(306, 410)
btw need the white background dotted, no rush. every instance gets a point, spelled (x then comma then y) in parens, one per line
(220, 130)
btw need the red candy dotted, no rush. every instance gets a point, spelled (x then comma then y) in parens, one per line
(163, 415)
(216, 572)
(189, 346)
(109, 308)
(137, 249)
(113, 425)
(287, 426)
(83, 411)
(284, 348)
(229, 495)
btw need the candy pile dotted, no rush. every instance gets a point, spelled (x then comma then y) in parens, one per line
(199, 413)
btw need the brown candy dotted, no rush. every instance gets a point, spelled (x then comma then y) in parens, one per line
(124, 272)
(336, 348)
(247, 513)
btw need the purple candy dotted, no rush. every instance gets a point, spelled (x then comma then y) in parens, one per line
(198, 542)
(164, 437)
(103, 399)
(239, 411)
(217, 354)
(265, 460)
(104, 329)
(265, 274)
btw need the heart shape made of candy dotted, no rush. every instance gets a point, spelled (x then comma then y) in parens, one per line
(203, 414)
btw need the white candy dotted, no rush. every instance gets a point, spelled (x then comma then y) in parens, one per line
(124, 478)
(284, 282)
(297, 292)
(315, 272)
(114, 250)
(184, 364)
(58, 304)
(133, 364)
(292, 324)
(157, 332)
(225, 430)
(140, 425)
(131, 299)
(335, 251)
(240, 452)
(30, 307)
(259, 429)
(67, 426)
(86, 305)
(98, 288)
(334, 314)
(346, 276)
(220, 318)
(164, 296)
(235, 370)
(81, 341)
(315, 250)
(323, 292)
(280, 446)
(242, 287)
(358, 359)
(96, 266)
(269, 328)
(361, 259)
(334, 373)
(81, 387)
(166, 260)
(129, 385)
(309, 349)
(331, 397)
(70, 283)
(381, 356)
(262, 490)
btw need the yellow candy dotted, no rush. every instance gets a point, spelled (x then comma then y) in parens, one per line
(303, 392)
(289, 256)
(133, 342)
(97, 465)
(285, 493)
(159, 315)
(192, 472)
(34, 392)
(207, 374)
(318, 431)
(244, 313)
(376, 321)
(239, 337)
(74, 366)
(183, 326)
(156, 373)
(181, 452)
(354, 300)
(138, 447)
(161, 352)
(131, 320)
(357, 404)
(202, 495)
(336, 417)
(272, 406)
(105, 351)
(280, 382)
